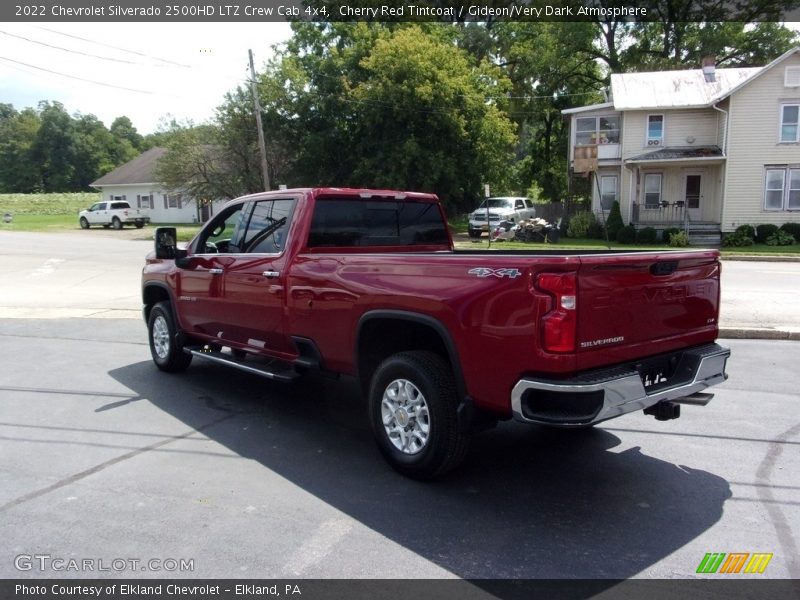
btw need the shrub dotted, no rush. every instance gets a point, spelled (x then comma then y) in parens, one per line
(764, 231)
(579, 224)
(679, 239)
(737, 239)
(668, 233)
(793, 229)
(626, 235)
(614, 222)
(596, 231)
(648, 235)
(746, 230)
(780, 238)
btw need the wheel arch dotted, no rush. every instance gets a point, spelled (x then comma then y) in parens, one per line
(154, 292)
(375, 342)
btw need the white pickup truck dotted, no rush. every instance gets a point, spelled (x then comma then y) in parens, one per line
(505, 208)
(114, 214)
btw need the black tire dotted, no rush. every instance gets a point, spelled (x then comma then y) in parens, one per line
(139, 224)
(446, 440)
(84, 223)
(164, 348)
(474, 233)
(116, 223)
(553, 235)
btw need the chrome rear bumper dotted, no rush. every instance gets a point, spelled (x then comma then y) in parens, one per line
(607, 393)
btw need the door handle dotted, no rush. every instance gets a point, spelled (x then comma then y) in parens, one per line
(271, 274)
(216, 271)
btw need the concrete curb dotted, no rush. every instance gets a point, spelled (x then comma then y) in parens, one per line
(754, 258)
(756, 333)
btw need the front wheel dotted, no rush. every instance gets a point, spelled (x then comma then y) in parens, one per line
(139, 224)
(164, 348)
(116, 223)
(413, 412)
(84, 223)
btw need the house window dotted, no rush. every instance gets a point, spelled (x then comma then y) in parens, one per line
(608, 191)
(144, 201)
(792, 77)
(652, 190)
(655, 130)
(782, 191)
(596, 130)
(790, 122)
(173, 201)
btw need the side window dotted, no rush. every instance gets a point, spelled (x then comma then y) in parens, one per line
(342, 223)
(268, 226)
(222, 234)
(519, 205)
(529, 203)
(97, 206)
(118, 205)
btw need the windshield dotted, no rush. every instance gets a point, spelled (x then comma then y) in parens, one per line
(496, 203)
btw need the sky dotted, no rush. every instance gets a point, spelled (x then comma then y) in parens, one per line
(145, 71)
(148, 71)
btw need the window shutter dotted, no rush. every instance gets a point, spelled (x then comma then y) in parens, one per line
(180, 204)
(124, 197)
(138, 201)
(792, 77)
(152, 202)
(166, 204)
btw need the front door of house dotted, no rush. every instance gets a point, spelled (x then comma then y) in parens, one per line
(693, 196)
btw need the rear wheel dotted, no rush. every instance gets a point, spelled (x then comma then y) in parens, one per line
(164, 348)
(139, 224)
(474, 233)
(84, 223)
(116, 223)
(413, 411)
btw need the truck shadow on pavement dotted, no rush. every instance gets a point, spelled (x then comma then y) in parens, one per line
(528, 502)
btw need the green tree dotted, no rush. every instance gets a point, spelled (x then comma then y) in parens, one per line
(426, 119)
(53, 149)
(122, 128)
(18, 131)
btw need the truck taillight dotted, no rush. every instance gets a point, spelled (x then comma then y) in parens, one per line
(560, 323)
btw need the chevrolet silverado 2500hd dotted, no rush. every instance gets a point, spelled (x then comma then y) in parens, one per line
(367, 283)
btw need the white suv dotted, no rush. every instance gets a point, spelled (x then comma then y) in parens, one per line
(504, 208)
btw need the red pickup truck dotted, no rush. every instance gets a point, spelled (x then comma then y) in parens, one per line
(366, 283)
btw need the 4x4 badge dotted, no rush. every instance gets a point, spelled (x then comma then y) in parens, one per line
(486, 272)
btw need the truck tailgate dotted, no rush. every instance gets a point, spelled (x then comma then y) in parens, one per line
(635, 305)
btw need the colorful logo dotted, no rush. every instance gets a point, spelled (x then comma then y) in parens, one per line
(734, 562)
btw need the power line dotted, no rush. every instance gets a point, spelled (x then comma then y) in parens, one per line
(119, 60)
(77, 37)
(11, 60)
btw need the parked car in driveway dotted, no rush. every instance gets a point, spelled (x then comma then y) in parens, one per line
(504, 208)
(114, 214)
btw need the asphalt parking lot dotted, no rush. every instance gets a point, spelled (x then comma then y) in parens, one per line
(104, 458)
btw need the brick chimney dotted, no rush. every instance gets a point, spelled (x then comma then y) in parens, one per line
(709, 69)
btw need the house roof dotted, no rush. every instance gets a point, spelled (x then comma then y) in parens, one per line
(679, 153)
(676, 89)
(687, 88)
(139, 170)
(579, 109)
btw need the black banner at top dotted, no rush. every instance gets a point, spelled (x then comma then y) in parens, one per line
(453, 11)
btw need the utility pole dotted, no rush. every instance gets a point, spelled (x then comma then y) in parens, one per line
(261, 143)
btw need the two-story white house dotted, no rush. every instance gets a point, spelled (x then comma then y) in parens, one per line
(135, 182)
(709, 149)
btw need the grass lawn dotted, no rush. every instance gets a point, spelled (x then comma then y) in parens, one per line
(585, 244)
(59, 212)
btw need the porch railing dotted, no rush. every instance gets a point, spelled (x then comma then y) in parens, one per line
(665, 213)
